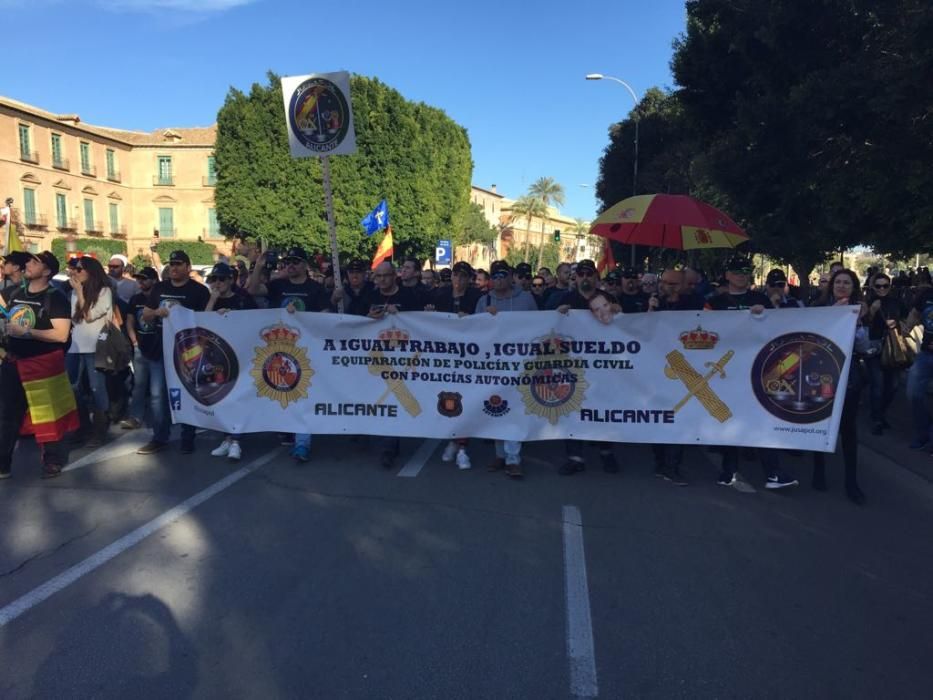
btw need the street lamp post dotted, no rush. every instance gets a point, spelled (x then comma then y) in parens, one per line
(600, 76)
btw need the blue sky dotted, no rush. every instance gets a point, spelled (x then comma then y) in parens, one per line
(512, 73)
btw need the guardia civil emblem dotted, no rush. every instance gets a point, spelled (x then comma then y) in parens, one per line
(319, 115)
(549, 389)
(281, 369)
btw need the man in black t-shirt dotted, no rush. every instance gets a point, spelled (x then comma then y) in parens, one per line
(38, 321)
(144, 336)
(921, 372)
(461, 296)
(388, 297)
(178, 290)
(354, 293)
(739, 297)
(295, 289)
(632, 300)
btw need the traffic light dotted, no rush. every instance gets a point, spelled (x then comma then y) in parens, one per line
(557, 235)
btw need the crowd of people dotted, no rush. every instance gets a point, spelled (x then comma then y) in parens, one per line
(60, 321)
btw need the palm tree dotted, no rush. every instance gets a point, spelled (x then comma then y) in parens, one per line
(527, 207)
(578, 229)
(547, 191)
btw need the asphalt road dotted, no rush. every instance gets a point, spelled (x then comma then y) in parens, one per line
(337, 579)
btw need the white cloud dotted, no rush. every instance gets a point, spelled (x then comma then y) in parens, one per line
(195, 6)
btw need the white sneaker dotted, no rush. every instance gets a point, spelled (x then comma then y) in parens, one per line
(223, 450)
(234, 453)
(463, 459)
(449, 452)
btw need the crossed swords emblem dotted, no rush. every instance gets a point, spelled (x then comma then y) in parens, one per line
(698, 384)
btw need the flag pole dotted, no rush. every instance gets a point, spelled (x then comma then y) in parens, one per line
(331, 226)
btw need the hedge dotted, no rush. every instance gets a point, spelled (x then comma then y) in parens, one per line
(100, 248)
(200, 253)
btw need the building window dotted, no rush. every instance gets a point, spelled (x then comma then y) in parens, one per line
(57, 160)
(29, 206)
(114, 218)
(86, 158)
(111, 164)
(25, 145)
(213, 228)
(211, 178)
(89, 215)
(166, 222)
(164, 174)
(61, 210)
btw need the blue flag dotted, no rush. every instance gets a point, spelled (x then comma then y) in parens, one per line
(377, 219)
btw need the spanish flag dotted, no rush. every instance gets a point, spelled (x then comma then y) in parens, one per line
(11, 240)
(607, 261)
(52, 409)
(385, 250)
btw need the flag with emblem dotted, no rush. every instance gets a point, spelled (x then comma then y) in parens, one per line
(385, 250)
(52, 409)
(377, 219)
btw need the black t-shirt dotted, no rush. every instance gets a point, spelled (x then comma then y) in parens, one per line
(306, 296)
(634, 303)
(421, 293)
(147, 335)
(406, 299)
(923, 303)
(356, 303)
(736, 302)
(892, 309)
(34, 311)
(238, 301)
(445, 300)
(691, 302)
(190, 295)
(575, 300)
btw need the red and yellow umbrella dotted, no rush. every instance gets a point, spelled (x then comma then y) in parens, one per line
(668, 221)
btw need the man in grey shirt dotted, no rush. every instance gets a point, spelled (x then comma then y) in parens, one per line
(504, 296)
(126, 288)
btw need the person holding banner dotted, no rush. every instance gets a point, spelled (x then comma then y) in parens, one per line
(504, 296)
(178, 290)
(355, 291)
(740, 297)
(35, 394)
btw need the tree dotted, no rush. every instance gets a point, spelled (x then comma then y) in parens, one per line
(410, 153)
(548, 191)
(477, 229)
(527, 207)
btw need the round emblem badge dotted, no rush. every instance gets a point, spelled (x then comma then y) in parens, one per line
(23, 315)
(205, 364)
(318, 115)
(795, 377)
(281, 371)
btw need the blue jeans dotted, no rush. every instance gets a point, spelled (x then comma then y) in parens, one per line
(149, 383)
(918, 379)
(80, 364)
(883, 383)
(301, 440)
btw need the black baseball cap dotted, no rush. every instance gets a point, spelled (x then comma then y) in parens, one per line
(629, 273)
(586, 265)
(221, 269)
(500, 266)
(614, 276)
(17, 257)
(776, 278)
(148, 273)
(462, 266)
(179, 256)
(739, 263)
(356, 265)
(523, 268)
(296, 252)
(47, 258)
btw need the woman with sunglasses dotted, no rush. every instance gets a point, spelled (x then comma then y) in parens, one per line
(884, 311)
(91, 310)
(844, 290)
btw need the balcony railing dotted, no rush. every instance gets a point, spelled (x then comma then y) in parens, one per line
(114, 176)
(69, 225)
(36, 221)
(89, 170)
(165, 232)
(95, 229)
(209, 181)
(118, 232)
(29, 157)
(211, 233)
(163, 180)
(61, 163)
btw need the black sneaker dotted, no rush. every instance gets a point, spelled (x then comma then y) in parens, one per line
(726, 478)
(150, 448)
(610, 466)
(779, 481)
(5, 474)
(187, 447)
(571, 466)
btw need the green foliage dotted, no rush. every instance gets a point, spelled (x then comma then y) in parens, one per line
(476, 229)
(100, 248)
(200, 253)
(411, 154)
(141, 261)
(528, 208)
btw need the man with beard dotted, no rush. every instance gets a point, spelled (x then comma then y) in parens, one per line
(294, 289)
(410, 278)
(633, 299)
(587, 288)
(523, 276)
(481, 280)
(506, 297)
(561, 286)
(355, 291)
(738, 296)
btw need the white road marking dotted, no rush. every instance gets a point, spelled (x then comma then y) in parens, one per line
(579, 622)
(38, 595)
(414, 465)
(121, 446)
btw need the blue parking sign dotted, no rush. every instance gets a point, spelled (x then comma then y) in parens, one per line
(442, 254)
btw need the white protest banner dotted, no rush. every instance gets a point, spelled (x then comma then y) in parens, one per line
(318, 114)
(705, 377)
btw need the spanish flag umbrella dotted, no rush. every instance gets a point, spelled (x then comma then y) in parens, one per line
(673, 221)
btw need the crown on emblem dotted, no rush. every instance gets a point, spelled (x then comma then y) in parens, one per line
(280, 333)
(699, 339)
(393, 335)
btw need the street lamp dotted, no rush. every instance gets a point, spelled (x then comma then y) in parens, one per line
(600, 76)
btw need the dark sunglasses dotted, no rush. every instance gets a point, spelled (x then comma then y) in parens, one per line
(612, 281)
(176, 262)
(882, 286)
(537, 285)
(585, 273)
(214, 278)
(114, 267)
(499, 275)
(741, 271)
(293, 261)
